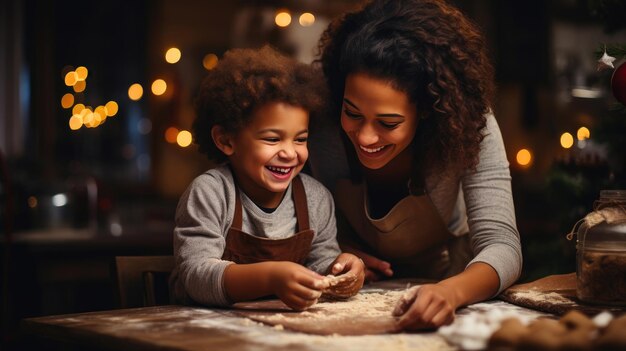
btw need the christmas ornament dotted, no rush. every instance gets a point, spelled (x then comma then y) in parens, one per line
(605, 61)
(618, 83)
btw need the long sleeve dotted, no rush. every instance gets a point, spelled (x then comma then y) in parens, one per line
(490, 210)
(324, 248)
(202, 219)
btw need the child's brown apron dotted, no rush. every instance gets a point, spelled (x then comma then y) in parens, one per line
(244, 248)
(412, 236)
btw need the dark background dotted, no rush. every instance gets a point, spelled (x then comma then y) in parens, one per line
(122, 179)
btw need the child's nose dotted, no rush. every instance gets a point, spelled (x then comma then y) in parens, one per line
(287, 152)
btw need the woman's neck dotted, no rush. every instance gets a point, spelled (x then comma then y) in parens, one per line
(397, 171)
(388, 185)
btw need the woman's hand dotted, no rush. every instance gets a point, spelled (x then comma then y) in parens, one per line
(352, 267)
(296, 286)
(375, 268)
(426, 307)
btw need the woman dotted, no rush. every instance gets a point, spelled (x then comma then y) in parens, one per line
(428, 192)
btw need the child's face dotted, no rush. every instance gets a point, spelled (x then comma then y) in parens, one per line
(270, 151)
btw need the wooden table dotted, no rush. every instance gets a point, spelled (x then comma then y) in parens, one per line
(195, 328)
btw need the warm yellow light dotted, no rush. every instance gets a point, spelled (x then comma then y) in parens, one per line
(172, 55)
(171, 134)
(306, 19)
(76, 122)
(67, 100)
(102, 112)
(583, 133)
(159, 87)
(111, 108)
(81, 73)
(71, 78)
(282, 19)
(32, 202)
(80, 86)
(523, 157)
(88, 119)
(135, 92)
(183, 139)
(78, 108)
(97, 118)
(210, 61)
(567, 140)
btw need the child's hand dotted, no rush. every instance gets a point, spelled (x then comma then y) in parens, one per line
(296, 286)
(347, 265)
(425, 307)
(375, 268)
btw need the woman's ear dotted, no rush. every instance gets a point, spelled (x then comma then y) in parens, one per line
(223, 140)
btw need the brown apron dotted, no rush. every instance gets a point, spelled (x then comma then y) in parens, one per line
(244, 248)
(412, 236)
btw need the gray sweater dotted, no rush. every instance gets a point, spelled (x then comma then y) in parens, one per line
(204, 215)
(477, 203)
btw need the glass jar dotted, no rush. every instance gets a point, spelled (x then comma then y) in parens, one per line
(601, 251)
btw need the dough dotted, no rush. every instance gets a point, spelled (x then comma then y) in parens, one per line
(510, 332)
(613, 338)
(574, 320)
(341, 286)
(543, 334)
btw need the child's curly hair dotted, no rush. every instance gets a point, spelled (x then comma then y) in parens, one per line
(429, 50)
(242, 81)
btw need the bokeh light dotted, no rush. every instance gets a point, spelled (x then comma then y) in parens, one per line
(159, 87)
(67, 100)
(567, 140)
(210, 61)
(183, 139)
(76, 122)
(135, 92)
(80, 86)
(172, 55)
(282, 19)
(81, 73)
(583, 133)
(78, 108)
(306, 19)
(170, 135)
(71, 78)
(524, 157)
(111, 108)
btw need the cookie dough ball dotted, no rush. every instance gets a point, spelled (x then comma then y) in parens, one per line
(543, 334)
(574, 320)
(510, 332)
(578, 340)
(613, 338)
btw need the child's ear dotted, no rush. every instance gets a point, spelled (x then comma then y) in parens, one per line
(223, 140)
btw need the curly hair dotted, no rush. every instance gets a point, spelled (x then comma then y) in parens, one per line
(244, 80)
(428, 50)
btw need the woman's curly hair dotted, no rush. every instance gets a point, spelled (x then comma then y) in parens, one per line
(432, 52)
(244, 80)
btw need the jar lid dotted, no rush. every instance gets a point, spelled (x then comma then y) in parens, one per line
(603, 235)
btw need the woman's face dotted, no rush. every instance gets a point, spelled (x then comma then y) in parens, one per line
(378, 119)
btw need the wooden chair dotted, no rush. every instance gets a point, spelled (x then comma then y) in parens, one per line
(143, 280)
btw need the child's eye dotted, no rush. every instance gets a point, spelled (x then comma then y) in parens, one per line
(271, 140)
(351, 114)
(389, 125)
(302, 140)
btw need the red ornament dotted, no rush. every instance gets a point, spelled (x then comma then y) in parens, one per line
(618, 83)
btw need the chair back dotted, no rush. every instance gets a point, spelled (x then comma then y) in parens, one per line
(143, 280)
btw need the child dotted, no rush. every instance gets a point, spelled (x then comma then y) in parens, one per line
(249, 227)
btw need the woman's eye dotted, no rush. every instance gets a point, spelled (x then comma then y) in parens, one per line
(389, 125)
(351, 114)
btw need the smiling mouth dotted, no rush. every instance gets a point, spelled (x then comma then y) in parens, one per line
(372, 150)
(280, 171)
